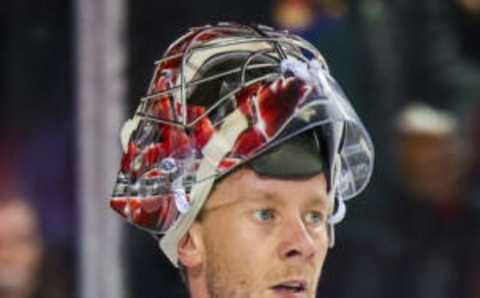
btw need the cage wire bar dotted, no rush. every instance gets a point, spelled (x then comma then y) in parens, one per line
(100, 29)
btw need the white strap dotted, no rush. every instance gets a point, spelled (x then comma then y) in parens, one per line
(219, 145)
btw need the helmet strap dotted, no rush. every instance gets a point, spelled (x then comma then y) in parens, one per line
(215, 150)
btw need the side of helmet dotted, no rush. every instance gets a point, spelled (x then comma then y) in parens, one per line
(220, 97)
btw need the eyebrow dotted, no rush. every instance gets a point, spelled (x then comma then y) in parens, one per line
(270, 196)
(323, 201)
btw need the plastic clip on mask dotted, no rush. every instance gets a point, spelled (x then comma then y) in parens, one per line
(227, 95)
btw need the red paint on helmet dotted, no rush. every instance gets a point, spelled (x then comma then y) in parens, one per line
(128, 157)
(162, 108)
(119, 204)
(248, 142)
(228, 163)
(175, 141)
(153, 154)
(278, 102)
(202, 132)
(245, 99)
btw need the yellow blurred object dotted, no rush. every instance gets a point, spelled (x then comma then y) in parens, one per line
(431, 165)
(294, 14)
(430, 154)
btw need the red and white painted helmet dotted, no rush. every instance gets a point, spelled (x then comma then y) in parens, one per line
(220, 97)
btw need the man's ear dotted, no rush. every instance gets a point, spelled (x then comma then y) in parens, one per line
(191, 249)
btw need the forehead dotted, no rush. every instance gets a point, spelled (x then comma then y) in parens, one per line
(245, 186)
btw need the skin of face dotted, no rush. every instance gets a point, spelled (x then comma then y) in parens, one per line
(20, 249)
(255, 233)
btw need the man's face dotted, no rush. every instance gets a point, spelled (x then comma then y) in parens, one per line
(264, 237)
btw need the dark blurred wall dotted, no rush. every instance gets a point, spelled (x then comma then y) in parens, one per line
(436, 42)
(37, 63)
(36, 109)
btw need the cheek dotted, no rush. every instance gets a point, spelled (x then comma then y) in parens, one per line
(321, 255)
(321, 238)
(322, 244)
(239, 249)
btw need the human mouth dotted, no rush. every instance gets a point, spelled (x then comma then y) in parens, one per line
(290, 289)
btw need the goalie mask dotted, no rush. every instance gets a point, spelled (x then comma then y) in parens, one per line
(229, 95)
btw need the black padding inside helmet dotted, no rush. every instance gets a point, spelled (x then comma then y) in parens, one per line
(299, 157)
(206, 94)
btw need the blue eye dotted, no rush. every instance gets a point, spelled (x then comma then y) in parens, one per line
(314, 217)
(264, 215)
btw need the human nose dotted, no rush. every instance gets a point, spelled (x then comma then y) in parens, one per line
(297, 243)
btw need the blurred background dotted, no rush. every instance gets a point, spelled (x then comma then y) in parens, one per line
(72, 71)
